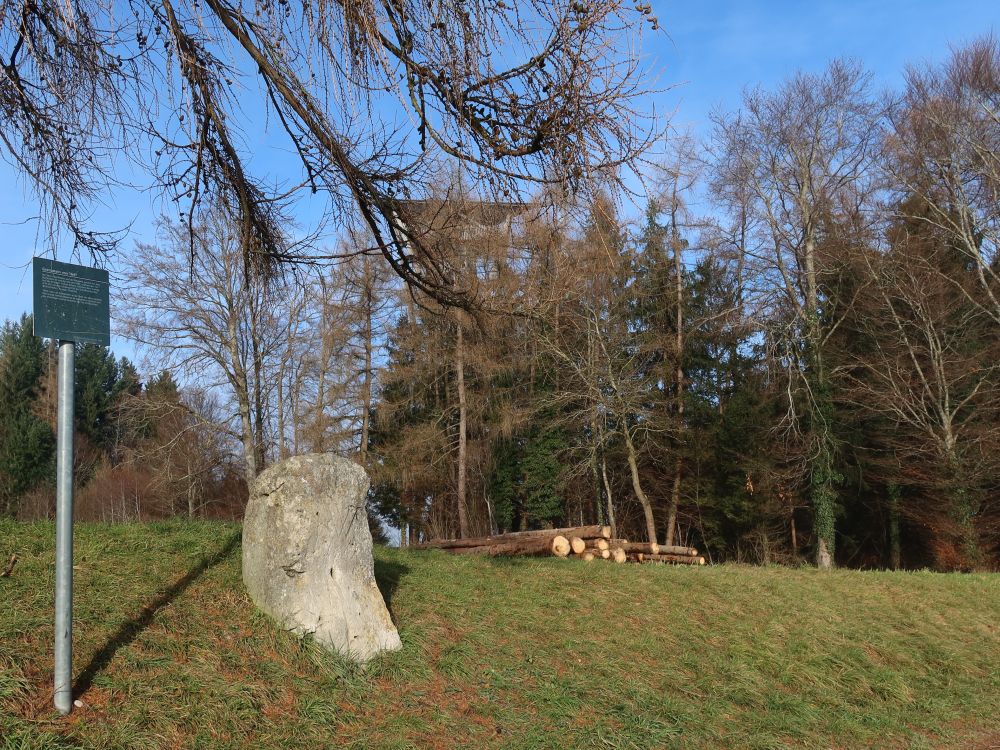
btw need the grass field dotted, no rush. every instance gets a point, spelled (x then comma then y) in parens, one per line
(540, 653)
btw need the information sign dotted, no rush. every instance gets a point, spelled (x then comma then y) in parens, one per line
(71, 302)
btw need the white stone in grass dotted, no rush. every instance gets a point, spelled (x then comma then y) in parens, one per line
(307, 555)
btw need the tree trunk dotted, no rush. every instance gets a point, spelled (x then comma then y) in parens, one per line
(824, 494)
(463, 520)
(282, 445)
(319, 427)
(794, 533)
(366, 393)
(824, 499)
(190, 492)
(675, 499)
(295, 394)
(895, 547)
(675, 492)
(607, 489)
(249, 444)
(599, 433)
(963, 510)
(243, 403)
(647, 508)
(258, 386)
(594, 460)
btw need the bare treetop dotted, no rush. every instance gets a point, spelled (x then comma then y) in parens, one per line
(540, 91)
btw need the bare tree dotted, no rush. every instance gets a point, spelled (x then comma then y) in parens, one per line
(438, 387)
(315, 403)
(369, 299)
(944, 146)
(940, 283)
(547, 92)
(204, 316)
(604, 381)
(800, 160)
(678, 178)
(926, 361)
(604, 385)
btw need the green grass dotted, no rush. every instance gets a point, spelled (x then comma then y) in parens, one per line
(498, 654)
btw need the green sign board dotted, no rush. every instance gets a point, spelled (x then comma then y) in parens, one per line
(71, 302)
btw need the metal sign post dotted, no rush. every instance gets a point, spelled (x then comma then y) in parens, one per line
(71, 304)
(64, 531)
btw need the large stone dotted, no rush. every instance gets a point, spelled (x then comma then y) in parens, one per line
(307, 554)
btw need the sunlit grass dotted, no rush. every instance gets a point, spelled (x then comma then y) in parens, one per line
(498, 653)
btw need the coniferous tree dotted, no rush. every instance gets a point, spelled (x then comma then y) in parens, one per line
(26, 440)
(99, 383)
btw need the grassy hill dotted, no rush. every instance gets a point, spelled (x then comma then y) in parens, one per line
(498, 653)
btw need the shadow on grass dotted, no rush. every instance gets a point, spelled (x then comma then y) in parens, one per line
(130, 630)
(387, 576)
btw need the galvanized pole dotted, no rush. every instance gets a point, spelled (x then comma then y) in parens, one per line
(64, 531)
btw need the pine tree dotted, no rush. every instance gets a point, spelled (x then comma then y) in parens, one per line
(543, 470)
(26, 440)
(99, 383)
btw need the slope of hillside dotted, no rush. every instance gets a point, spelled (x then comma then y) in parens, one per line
(498, 653)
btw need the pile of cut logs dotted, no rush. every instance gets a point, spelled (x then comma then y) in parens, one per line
(587, 543)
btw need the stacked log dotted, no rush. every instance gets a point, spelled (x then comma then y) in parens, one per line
(586, 543)
(677, 559)
(557, 546)
(542, 542)
(622, 550)
(646, 548)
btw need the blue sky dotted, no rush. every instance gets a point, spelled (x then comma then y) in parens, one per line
(707, 52)
(715, 49)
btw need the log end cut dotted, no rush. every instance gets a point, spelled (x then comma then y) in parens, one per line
(560, 546)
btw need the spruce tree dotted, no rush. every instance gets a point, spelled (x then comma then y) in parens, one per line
(26, 440)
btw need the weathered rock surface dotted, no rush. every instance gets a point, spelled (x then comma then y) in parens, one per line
(307, 554)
